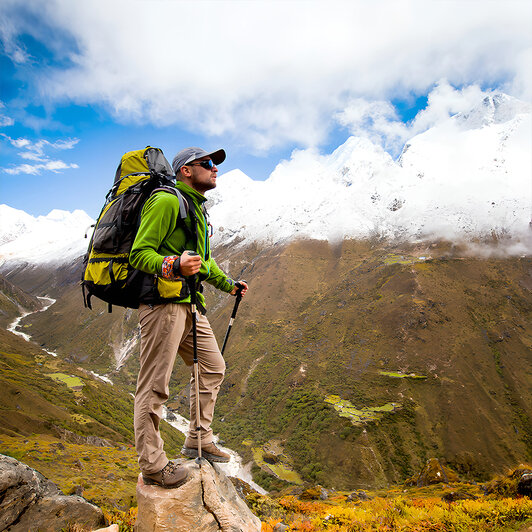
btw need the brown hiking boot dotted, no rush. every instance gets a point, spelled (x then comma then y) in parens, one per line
(172, 475)
(209, 451)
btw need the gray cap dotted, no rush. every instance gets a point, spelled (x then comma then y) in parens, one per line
(191, 154)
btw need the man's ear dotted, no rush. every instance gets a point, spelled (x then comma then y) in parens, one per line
(184, 171)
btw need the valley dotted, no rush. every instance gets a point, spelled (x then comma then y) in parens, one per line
(426, 347)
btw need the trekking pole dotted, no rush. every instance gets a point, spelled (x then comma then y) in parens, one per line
(233, 315)
(191, 281)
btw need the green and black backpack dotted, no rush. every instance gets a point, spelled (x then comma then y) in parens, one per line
(107, 273)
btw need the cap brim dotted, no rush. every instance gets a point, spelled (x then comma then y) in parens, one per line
(217, 157)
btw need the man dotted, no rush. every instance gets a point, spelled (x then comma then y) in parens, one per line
(174, 251)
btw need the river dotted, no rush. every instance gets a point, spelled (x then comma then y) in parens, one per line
(16, 323)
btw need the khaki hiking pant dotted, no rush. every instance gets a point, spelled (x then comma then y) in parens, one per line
(166, 330)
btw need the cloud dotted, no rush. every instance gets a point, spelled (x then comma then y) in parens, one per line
(35, 151)
(379, 121)
(8, 38)
(269, 74)
(35, 169)
(4, 119)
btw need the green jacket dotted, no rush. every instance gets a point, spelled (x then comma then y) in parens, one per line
(160, 235)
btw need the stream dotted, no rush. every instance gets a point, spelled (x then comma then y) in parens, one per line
(16, 323)
(234, 468)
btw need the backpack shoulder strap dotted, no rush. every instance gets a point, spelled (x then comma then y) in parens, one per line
(184, 207)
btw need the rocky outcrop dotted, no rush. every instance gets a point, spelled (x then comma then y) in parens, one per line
(30, 503)
(207, 502)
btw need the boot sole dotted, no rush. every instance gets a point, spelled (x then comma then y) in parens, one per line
(193, 453)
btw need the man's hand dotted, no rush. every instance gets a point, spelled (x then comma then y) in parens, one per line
(190, 263)
(244, 288)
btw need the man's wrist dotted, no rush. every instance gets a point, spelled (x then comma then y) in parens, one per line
(171, 267)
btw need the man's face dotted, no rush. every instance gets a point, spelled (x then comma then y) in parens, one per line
(202, 176)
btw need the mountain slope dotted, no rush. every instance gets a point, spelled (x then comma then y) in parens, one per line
(57, 238)
(464, 178)
(426, 347)
(355, 320)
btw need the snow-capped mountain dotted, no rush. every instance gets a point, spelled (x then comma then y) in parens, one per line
(55, 238)
(468, 176)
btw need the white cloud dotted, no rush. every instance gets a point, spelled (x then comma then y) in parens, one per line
(6, 120)
(379, 121)
(35, 169)
(35, 151)
(8, 39)
(271, 73)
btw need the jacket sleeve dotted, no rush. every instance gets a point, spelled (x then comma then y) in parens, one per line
(157, 221)
(218, 278)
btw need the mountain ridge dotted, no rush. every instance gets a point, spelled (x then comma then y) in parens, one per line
(466, 178)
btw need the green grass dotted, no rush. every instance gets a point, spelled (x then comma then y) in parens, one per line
(69, 380)
(360, 416)
(279, 469)
(398, 375)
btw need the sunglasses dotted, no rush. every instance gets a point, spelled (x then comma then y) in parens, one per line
(208, 165)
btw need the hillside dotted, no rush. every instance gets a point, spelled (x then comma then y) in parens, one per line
(437, 349)
(351, 363)
(72, 427)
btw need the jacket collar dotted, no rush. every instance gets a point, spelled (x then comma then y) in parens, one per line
(200, 198)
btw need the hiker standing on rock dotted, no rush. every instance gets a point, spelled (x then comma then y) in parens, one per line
(174, 251)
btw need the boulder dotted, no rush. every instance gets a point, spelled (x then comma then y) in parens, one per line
(29, 502)
(207, 501)
(524, 486)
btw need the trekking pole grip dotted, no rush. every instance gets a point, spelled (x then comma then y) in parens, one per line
(238, 295)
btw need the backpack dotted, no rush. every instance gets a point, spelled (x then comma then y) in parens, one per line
(107, 273)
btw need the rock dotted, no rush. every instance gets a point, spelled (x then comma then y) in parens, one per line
(280, 527)
(30, 502)
(358, 496)
(433, 473)
(242, 488)
(207, 502)
(524, 486)
(453, 496)
(111, 528)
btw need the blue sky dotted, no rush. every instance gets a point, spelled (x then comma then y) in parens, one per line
(83, 82)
